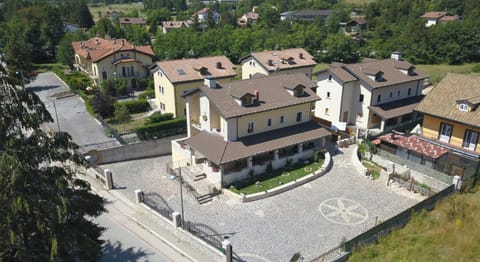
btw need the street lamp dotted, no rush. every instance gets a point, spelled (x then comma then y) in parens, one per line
(56, 114)
(180, 179)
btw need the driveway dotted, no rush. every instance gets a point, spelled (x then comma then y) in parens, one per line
(72, 115)
(310, 219)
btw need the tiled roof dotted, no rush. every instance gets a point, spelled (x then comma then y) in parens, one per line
(98, 48)
(176, 24)
(272, 93)
(433, 15)
(279, 59)
(442, 99)
(450, 18)
(369, 67)
(397, 108)
(184, 70)
(131, 20)
(220, 152)
(359, 21)
(413, 143)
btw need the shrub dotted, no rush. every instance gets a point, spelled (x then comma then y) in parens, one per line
(149, 93)
(162, 129)
(158, 117)
(103, 104)
(136, 106)
(144, 83)
(269, 167)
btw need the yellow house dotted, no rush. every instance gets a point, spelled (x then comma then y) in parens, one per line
(452, 120)
(108, 59)
(173, 78)
(236, 129)
(287, 61)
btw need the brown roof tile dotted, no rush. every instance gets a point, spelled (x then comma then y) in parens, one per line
(98, 48)
(413, 143)
(220, 152)
(280, 58)
(131, 20)
(434, 15)
(369, 67)
(184, 70)
(272, 92)
(442, 99)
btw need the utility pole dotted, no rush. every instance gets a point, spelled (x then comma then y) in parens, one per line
(181, 196)
(56, 116)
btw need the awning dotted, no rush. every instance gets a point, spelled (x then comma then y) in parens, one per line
(396, 108)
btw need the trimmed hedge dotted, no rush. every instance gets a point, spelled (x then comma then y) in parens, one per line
(136, 106)
(162, 129)
(158, 117)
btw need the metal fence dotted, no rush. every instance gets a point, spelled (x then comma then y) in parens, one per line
(418, 167)
(157, 203)
(206, 233)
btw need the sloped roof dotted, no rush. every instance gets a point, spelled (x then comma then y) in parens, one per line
(433, 15)
(369, 67)
(98, 48)
(132, 20)
(299, 57)
(397, 108)
(176, 24)
(272, 93)
(184, 70)
(220, 152)
(441, 101)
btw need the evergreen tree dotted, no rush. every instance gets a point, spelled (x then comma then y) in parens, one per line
(45, 210)
(85, 18)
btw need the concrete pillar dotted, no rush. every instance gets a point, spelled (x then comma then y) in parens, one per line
(194, 160)
(300, 148)
(382, 125)
(250, 162)
(108, 179)
(457, 181)
(176, 219)
(275, 155)
(227, 246)
(139, 197)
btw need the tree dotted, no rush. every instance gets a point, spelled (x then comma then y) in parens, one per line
(46, 210)
(122, 115)
(103, 104)
(85, 17)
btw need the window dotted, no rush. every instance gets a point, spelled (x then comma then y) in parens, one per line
(326, 110)
(409, 92)
(379, 98)
(282, 119)
(328, 94)
(247, 100)
(360, 98)
(445, 132)
(250, 127)
(162, 106)
(470, 139)
(463, 107)
(398, 93)
(269, 122)
(104, 75)
(299, 116)
(391, 94)
(298, 91)
(330, 77)
(123, 71)
(161, 89)
(132, 71)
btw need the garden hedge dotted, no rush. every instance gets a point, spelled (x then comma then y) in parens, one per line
(158, 117)
(136, 106)
(162, 129)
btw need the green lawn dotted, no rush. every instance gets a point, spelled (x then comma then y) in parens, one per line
(130, 126)
(451, 232)
(437, 72)
(373, 169)
(275, 179)
(42, 68)
(95, 9)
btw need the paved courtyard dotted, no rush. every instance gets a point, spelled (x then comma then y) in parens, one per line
(310, 219)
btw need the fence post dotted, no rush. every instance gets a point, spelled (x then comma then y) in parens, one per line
(227, 246)
(139, 197)
(108, 179)
(177, 219)
(457, 181)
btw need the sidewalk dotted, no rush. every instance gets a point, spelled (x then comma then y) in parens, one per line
(185, 251)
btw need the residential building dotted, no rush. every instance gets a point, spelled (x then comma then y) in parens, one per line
(168, 26)
(106, 59)
(451, 119)
(354, 27)
(433, 18)
(172, 78)
(248, 19)
(287, 61)
(72, 28)
(124, 21)
(112, 15)
(236, 129)
(378, 95)
(203, 13)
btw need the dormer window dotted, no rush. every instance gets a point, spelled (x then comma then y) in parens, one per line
(379, 77)
(411, 71)
(247, 100)
(463, 107)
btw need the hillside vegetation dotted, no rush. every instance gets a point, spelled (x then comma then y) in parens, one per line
(449, 233)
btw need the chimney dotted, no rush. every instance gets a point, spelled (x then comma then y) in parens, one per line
(270, 62)
(210, 82)
(396, 56)
(257, 96)
(114, 41)
(219, 65)
(123, 42)
(300, 55)
(96, 41)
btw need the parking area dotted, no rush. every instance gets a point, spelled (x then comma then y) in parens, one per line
(310, 219)
(72, 115)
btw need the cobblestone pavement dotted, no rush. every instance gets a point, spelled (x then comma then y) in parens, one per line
(309, 219)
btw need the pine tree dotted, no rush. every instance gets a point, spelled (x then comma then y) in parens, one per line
(46, 211)
(85, 17)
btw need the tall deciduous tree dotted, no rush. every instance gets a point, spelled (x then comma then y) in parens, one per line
(45, 210)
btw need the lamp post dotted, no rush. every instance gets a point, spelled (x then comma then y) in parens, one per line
(56, 114)
(179, 172)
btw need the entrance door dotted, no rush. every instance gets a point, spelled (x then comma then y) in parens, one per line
(345, 117)
(470, 140)
(445, 133)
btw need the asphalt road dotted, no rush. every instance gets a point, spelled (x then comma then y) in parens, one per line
(72, 115)
(127, 241)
